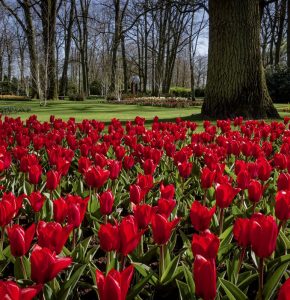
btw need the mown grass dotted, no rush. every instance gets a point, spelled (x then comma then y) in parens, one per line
(96, 109)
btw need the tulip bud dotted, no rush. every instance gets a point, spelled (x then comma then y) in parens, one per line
(106, 202)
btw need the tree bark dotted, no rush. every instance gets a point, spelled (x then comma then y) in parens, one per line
(288, 35)
(48, 16)
(63, 90)
(282, 15)
(236, 82)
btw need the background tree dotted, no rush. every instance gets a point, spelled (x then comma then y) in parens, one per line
(236, 83)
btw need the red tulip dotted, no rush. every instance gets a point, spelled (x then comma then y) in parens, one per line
(149, 167)
(204, 271)
(185, 169)
(20, 239)
(282, 207)
(243, 179)
(136, 194)
(201, 216)
(128, 162)
(106, 202)
(162, 228)
(60, 210)
(263, 236)
(115, 169)
(77, 207)
(255, 191)
(284, 293)
(167, 191)
(109, 237)
(34, 173)
(207, 178)
(129, 235)
(115, 285)
(165, 207)
(264, 169)
(9, 290)
(143, 215)
(145, 182)
(45, 265)
(280, 161)
(52, 180)
(52, 235)
(241, 231)
(205, 244)
(83, 164)
(283, 182)
(96, 177)
(36, 200)
(225, 194)
(9, 207)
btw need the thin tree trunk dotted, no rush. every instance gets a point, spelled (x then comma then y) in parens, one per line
(63, 90)
(125, 68)
(236, 82)
(288, 35)
(282, 15)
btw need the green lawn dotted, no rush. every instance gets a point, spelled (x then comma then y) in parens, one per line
(92, 109)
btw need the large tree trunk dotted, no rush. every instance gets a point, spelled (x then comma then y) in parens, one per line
(236, 83)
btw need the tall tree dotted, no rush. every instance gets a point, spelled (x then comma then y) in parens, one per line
(236, 83)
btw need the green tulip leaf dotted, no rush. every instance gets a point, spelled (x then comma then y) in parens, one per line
(273, 280)
(168, 274)
(232, 291)
(136, 289)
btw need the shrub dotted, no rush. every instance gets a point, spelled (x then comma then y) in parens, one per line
(180, 92)
(278, 81)
(6, 110)
(77, 97)
(14, 98)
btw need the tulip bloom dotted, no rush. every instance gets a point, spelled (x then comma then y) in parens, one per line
(162, 228)
(77, 207)
(225, 194)
(109, 237)
(242, 231)
(283, 182)
(136, 194)
(115, 285)
(20, 239)
(255, 191)
(207, 178)
(149, 167)
(264, 169)
(52, 180)
(204, 272)
(200, 216)
(167, 191)
(34, 173)
(129, 235)
(96, 177)
(284, 293)
(282, 206)
(185, 169)
(165, 207)
(243, 179)
(45, 265)
(9, 290)
(52, 235)
(263, 235)
(60, 210)
(115, 169)
(106, 202)
(205, 244)
(9, 207)
(143, 215)
(36, 200)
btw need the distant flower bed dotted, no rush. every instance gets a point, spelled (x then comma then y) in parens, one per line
(6, 110)
(161, 102)
(14, 98)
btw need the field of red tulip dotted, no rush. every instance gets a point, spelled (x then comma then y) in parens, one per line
(127, 212)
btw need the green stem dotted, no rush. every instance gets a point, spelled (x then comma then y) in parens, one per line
(241, 259)
(221, 221)
(162, 261)
(123, 261)
(23, 268)
(2, 238)
(204, 197)
(108, 262)
(281, 224)
(261, 282)
(74, 239)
